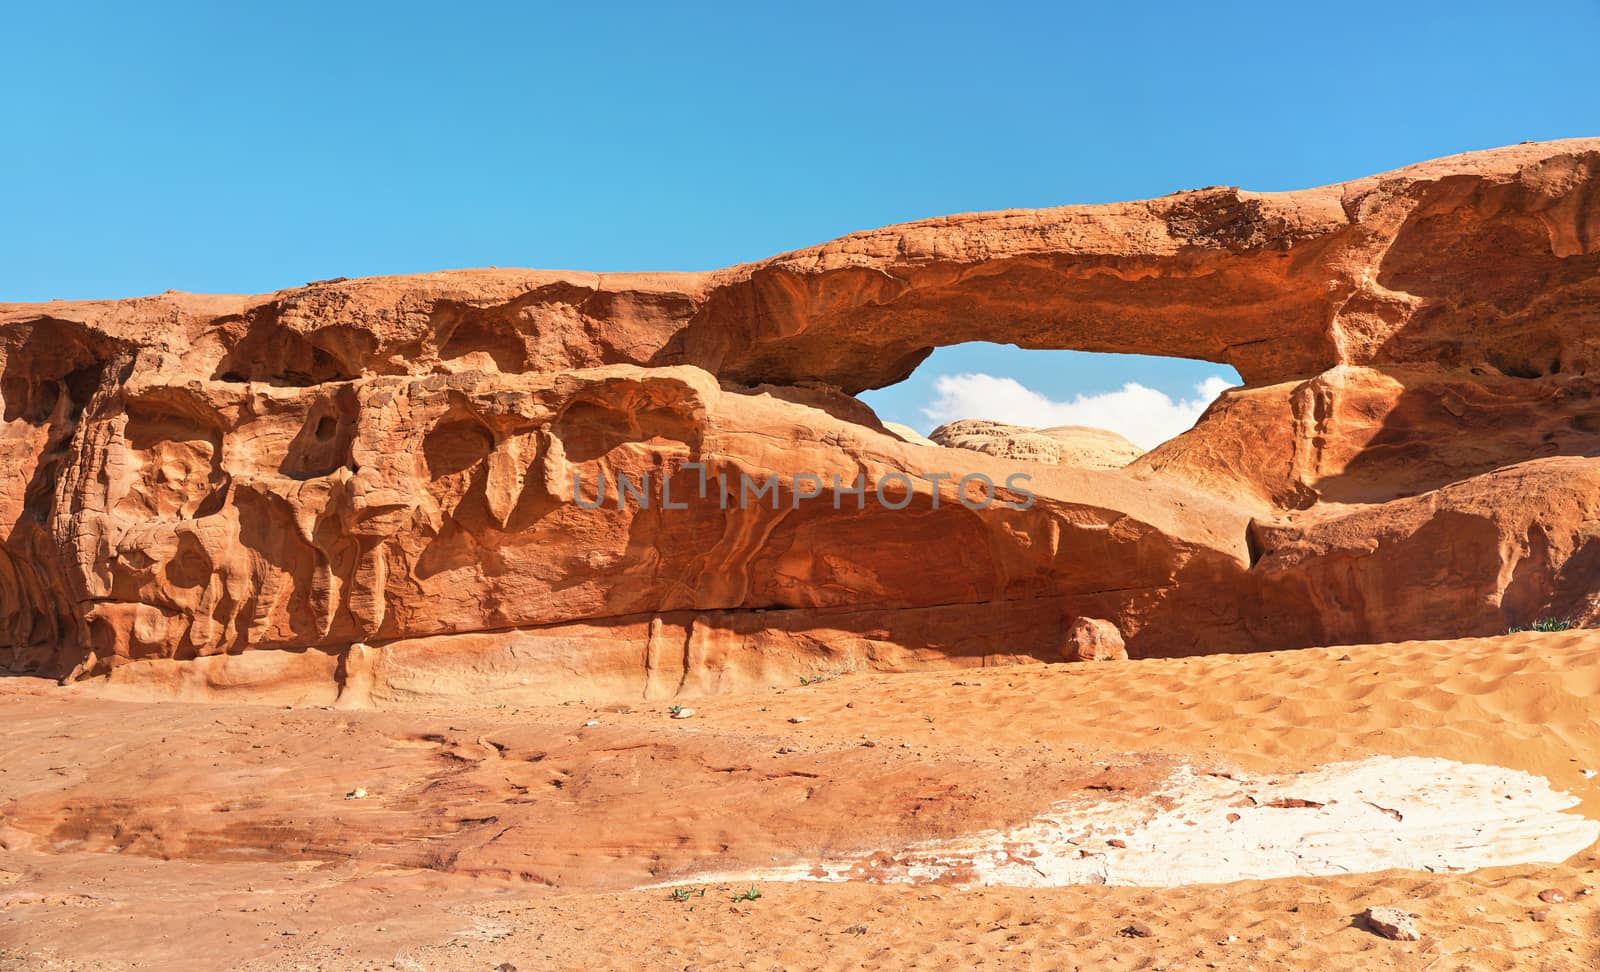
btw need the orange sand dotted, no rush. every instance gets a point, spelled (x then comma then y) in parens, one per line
(183, 836)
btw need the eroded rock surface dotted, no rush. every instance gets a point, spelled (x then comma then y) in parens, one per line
(408, 464)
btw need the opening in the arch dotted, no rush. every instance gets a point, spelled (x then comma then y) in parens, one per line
(1142, 399)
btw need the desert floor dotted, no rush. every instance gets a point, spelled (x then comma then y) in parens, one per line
(202, 836)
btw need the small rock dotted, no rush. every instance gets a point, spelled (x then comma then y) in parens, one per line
(1137, 929)
(1589, 774)
(359, 793)
(856, 930)
(591, 723)
(1584, 892)
(799, 719)
(1543, 914)
(1552, 896)
(869, 744)
(505, 967)
(683, 712)
(786, 750)
(1094, 639)
(1117, 843)
(1392, 923)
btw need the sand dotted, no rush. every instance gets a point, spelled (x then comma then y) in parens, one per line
(184, 836)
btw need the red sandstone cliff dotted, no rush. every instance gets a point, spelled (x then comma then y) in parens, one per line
(388, 463)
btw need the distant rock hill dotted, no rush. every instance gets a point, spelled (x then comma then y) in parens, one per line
(1066, 445)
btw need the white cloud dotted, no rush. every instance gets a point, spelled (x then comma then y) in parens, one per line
(1147, 417)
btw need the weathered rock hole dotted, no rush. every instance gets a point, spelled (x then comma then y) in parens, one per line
(1517, 367)
(178, 460)
(1252, 543)
(1011, 393)
(280, 356)
(45, 396)
(323, 443)
(456, 445)
(589, 430)
(82, 383)
(494, 338)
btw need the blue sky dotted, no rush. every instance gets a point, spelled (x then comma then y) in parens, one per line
(243, 148)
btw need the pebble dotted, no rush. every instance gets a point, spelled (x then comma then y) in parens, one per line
(1137, 929)
(1552, 896)
(683, 713)
(1392, 923)
(799, 719)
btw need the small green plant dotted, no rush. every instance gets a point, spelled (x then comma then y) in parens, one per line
(684, 894)
(751, 895)
(1545, 624)
(673, 710)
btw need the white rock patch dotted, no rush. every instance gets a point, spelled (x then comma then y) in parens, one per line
(1415, 813)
